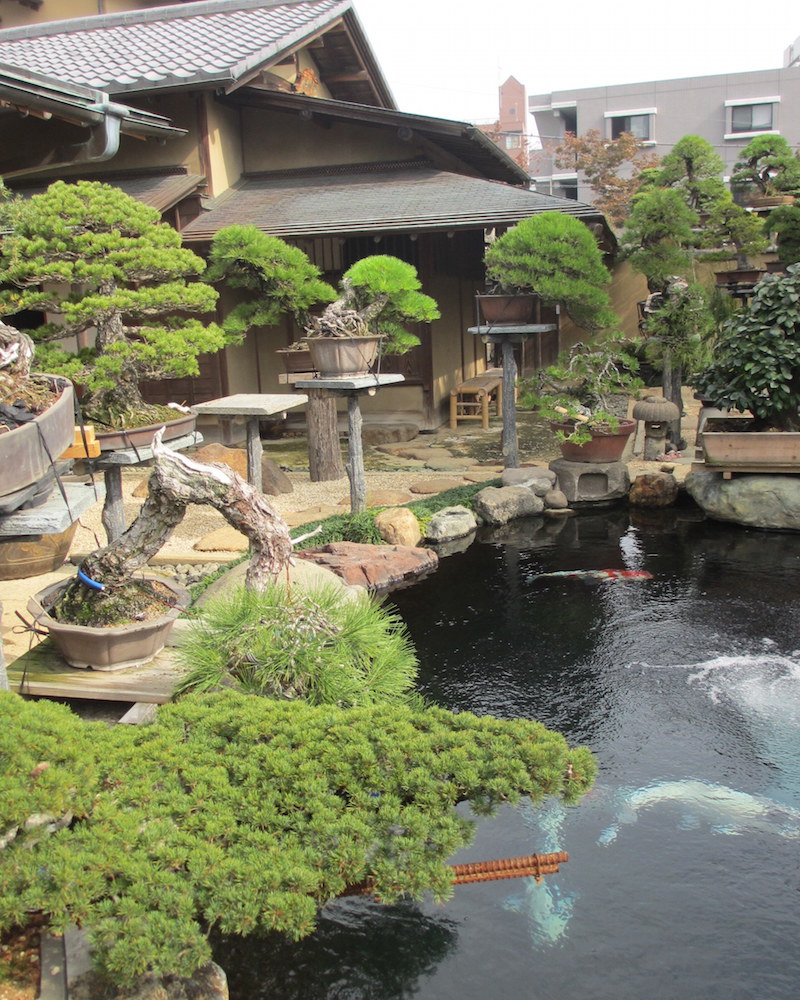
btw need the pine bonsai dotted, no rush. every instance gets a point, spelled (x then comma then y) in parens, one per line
(113, 276)
(379, 295)
(281, 277)
(768, 164)
(557, 258)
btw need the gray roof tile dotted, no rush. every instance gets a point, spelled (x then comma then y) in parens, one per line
(398, 199)
(145, 49)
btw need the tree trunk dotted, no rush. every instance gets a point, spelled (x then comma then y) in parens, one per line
(671, 385)
(324, 452)
(175, 482)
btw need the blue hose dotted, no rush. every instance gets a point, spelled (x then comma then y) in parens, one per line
(90, 583)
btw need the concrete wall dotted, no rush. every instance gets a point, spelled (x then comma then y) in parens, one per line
(690, 106)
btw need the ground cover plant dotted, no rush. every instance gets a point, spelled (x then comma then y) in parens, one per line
(245, 814)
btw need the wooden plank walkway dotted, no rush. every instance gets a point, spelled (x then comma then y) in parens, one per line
(42, 672)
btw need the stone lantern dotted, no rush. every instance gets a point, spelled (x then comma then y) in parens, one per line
(656, 414)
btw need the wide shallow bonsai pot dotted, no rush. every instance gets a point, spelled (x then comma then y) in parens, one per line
(604, 447)
(727, 442)
(295, 360)
(343, 357)
(506, 309)
(117, 648)
(28, 452)
(142, 437)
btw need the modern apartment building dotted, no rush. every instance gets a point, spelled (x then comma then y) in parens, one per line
(728, 110)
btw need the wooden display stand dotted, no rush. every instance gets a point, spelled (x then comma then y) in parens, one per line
(470, 399)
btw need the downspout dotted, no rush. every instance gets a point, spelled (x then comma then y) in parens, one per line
(103, 143)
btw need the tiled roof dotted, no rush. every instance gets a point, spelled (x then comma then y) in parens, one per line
(160, 189)
(167, 46)
(374, 201)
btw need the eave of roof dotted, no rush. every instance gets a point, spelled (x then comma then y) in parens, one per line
(461, 139)
(26, 90)
(214, 42)
(160, 189)
(396, 198)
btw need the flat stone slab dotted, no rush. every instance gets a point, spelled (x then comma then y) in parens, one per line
(53, 516)
(247, 404)
(382, 498)
(224, 539)
(378, 567)
(350, 384)
(430, 486)
(317, 513)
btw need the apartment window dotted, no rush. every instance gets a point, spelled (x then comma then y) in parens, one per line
(640, 121)
(513, 140)
(751, 118)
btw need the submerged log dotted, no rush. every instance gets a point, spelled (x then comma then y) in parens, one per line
(175, 482)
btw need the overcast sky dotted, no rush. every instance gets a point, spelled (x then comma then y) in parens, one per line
(446, 58)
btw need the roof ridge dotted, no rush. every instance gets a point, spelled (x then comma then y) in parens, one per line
(168, 12)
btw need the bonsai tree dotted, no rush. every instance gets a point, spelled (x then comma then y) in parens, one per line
(378, 296)
(588, 389)
(557, 258)
(109, 273)
(768, 164)
(694, 169)
(783, 223)
(280, 277)
(756, 364)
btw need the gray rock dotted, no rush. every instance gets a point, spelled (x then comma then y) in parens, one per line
(208, 983)
(540, 481)
(556, 500)
(450, 523)
(498, 505)
(591, 482)
(757, 501)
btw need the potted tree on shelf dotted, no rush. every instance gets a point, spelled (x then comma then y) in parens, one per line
(378, 296)
(756, 370)
(553, 257)
(120, 292)
(585, 398)
(278, 278)
(768, 168)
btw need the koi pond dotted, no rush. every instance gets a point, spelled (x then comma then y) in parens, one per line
(684, 871)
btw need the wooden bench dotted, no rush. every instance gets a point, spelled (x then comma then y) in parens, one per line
(469, 400)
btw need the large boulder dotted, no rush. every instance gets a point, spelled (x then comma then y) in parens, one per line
(449, 523)
(398, 526)
(757, 501)
(500, 504)
(208, 983)
(653, 489)
(379, 567)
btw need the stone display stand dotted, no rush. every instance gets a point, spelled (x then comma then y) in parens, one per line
(53, 516)
(253, 406)
(351, 389)
(591, 482)
(111, 464)
(507, 335)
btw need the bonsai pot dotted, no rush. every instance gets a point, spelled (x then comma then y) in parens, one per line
(740, 276)
(728, 443)
(27, 452)
(23, 556)
(508, 309)
(142, 437)
(604, 447)
(343, 357)
(87, 648)
(770, 200)
(295, 360)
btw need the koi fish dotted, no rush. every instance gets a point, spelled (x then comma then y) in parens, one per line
(599, 574)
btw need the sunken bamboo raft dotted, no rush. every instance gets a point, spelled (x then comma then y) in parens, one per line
(529, 865)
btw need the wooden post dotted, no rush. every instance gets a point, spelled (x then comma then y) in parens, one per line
(113, 515)
(324, 453)
(355, 456)
(510, 447)
(255, 453)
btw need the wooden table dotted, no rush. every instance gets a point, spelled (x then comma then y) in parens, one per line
(352, 388)
(253, 406)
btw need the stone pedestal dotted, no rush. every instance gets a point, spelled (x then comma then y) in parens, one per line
(591, 482)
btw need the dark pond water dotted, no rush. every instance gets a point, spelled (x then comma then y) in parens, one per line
(684, 872)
